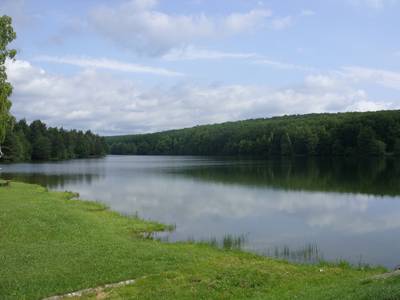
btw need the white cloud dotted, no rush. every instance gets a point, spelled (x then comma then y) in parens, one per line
(193, 53)
(283, 65)
(325, 82)
(148, 31)
(110, 64)
(352, 75)
(367, 105)
(240, 22)
(97, 101)
(139, 26)
(384, 78)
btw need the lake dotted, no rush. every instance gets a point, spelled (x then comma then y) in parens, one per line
(298, 209)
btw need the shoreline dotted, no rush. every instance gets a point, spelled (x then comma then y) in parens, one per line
(52, 245)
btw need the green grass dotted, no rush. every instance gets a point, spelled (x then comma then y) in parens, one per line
(52, 245)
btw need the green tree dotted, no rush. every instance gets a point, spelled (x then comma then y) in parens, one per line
(304, 141)
(324, 146)
(7, 35)
(262, 145)
(82, 146)
(41, 148)
(143, 148)
(245, 147)
(286, 145)
(58, 151)
(310, 135)
(163, 145)
(337, 148)
(25, 142)
(36, 130)
(100, 147)
(11, 145)
(275, 144)
(26, 147)
(368, 144)
(396, 150)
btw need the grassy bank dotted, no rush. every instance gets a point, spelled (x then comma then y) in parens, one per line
(52, 245)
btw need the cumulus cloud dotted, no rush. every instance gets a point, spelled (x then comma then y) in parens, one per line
(110, 64)
(240, 22)
(139, 26)
(95, 100)
(384, 78)
(348, 76)
(324, 81)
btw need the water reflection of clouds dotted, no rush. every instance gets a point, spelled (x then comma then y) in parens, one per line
(187, 201)
(344, 226)
(358, 223)
(265, 202)
(137, 184)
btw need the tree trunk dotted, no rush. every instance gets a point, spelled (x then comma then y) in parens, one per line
(1, 153)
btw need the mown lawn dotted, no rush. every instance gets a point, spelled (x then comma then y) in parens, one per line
(52, 245)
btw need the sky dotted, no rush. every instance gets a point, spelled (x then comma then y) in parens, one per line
(120, 67)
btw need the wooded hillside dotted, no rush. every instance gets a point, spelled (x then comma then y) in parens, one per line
(353, 133)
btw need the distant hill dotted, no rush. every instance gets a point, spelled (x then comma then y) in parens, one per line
(337, 134)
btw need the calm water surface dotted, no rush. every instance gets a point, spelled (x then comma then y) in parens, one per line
(299, 209)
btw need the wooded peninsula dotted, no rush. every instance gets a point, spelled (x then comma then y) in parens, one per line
(37, 142)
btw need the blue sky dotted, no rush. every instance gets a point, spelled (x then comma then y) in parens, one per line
(120, 67)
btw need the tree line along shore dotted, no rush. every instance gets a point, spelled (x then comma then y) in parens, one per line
(37, 142)
(338, 134)
(325, 135)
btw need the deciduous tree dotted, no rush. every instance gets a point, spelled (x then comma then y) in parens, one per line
(7, 35)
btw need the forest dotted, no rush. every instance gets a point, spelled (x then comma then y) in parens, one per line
(337, 134)
(37, 142)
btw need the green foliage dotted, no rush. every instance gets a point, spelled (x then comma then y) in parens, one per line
(368, 144)
(286, 145)
(37, 142)
(51, 245)
(7, 35)
(341, 134)
(396, 147)
(41, 148)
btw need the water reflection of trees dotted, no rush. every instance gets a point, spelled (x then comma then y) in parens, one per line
(54, 181)
(310, 253)
(367, 176)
